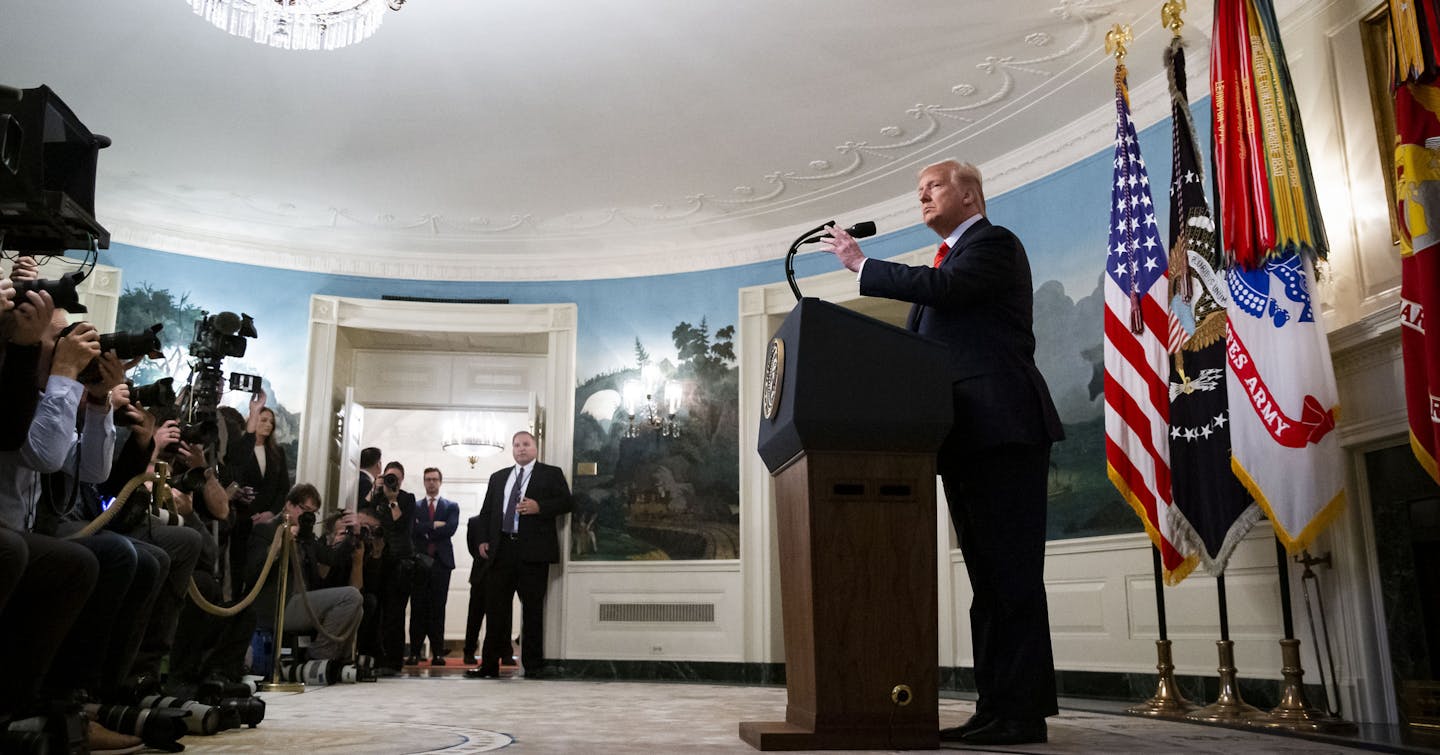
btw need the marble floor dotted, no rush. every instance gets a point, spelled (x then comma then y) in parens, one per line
(451, 714)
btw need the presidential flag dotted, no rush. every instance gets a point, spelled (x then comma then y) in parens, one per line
(1216, 511)
(1137, 326)
(1417, 196)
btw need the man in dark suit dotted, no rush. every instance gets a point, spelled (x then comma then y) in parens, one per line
(436, 520)
(518, 540)
(395, 509)
(369, 473)
(475, 611)
(977, 300)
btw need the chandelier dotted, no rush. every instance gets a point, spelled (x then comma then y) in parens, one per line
(473, 437)
(298, 24)
(653, 403)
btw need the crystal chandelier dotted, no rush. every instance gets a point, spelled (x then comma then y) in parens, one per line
(644, 399)
(298, 24)
(473, 437)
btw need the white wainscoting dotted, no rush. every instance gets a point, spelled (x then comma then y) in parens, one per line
(682, 585)
(1101, 595)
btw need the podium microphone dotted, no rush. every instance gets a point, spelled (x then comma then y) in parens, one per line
(862, 230)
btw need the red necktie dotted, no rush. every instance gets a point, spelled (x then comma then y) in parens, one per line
(431, 546)
(940, 254)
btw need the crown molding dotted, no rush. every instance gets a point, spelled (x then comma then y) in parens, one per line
(343, 247)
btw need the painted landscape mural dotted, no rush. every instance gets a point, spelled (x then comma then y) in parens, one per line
(644, 494)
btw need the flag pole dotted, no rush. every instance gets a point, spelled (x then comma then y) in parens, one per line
(1294, 713)
(1228, 707)
(1167, 702)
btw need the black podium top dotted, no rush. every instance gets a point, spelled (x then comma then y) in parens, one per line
(852, 383)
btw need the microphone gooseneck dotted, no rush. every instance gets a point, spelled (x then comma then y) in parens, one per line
(862, 230)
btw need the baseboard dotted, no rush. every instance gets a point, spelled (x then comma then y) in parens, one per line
(954, 681)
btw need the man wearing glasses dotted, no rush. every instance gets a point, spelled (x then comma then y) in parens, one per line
(336, 610)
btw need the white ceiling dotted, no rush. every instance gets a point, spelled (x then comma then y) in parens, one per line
(518, 136)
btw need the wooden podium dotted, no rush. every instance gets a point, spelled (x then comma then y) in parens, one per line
(854, 410)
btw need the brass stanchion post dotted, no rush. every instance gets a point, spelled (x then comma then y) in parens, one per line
(275, 685)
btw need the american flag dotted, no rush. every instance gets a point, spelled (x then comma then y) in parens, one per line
(1137, 338)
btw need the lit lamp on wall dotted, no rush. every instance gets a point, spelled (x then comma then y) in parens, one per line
(473, 438)
(653, 402)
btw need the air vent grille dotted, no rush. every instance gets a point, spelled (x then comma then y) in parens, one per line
(670, 613)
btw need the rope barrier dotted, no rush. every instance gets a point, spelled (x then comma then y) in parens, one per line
(226, 611)
(160, 477)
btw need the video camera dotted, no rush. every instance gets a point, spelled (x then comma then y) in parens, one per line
(217, 336)
(47, 175)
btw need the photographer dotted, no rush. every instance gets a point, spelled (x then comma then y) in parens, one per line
(336, 609)
(55, 578)
(395, 509)
(354, 548)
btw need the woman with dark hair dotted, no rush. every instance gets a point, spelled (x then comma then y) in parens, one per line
(259, 465)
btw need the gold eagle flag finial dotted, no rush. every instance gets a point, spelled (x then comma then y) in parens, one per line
(1116, 40)
(1170, 15)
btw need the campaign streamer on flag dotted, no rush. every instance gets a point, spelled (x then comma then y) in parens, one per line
(1137, 399)
(1213, 510)
(1417, 195)
(1266, 190)
(1281, 382)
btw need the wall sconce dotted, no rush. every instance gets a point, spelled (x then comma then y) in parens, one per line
(653, 402)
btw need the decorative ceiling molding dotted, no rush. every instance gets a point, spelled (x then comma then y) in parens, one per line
(1086, 136)
(618, 241)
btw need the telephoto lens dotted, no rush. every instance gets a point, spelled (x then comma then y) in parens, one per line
(204, 719)
(62, 291)
(139, 343)
(250, 709)
(160, 728)
(159, 393)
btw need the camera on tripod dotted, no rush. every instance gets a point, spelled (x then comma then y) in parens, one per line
(217, 336)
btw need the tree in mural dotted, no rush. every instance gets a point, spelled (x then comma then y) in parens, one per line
(143, 306)
(659, 497)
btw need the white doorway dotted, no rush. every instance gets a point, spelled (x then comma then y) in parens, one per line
(408, 364)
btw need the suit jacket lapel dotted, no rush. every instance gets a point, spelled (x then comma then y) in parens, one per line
(917, 311)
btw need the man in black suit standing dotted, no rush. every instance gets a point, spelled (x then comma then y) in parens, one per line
(369, 473)
(977, 299)
(518, 540)
(436, 520)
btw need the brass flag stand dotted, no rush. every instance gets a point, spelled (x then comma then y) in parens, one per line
(1295, 713)
(1167, 701)
(1229, 707)
(275, 685)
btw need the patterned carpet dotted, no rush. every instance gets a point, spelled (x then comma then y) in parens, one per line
(457, 716)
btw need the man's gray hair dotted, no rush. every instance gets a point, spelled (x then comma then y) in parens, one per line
(961, 173)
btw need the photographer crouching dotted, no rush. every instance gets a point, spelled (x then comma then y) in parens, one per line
(335, 611)
(352, 554)
(394, 508)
